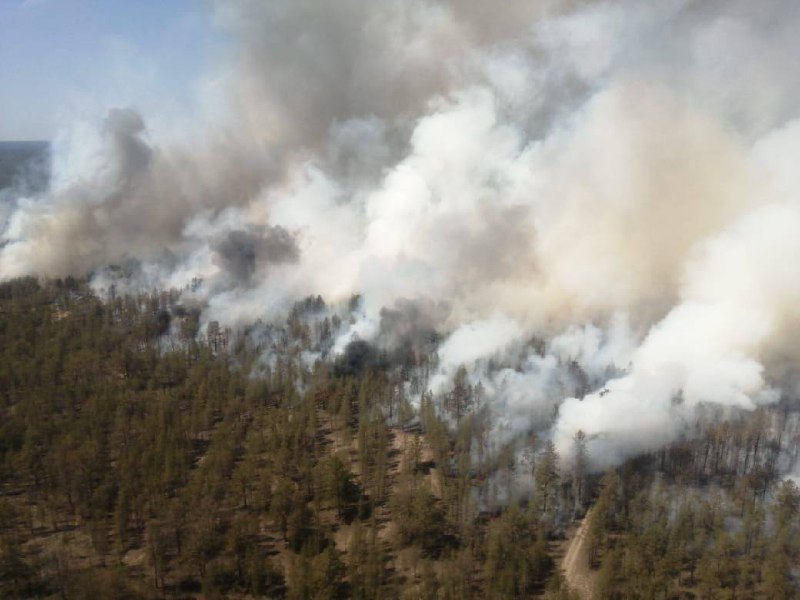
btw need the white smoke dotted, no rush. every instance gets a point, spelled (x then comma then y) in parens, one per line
(615, 178)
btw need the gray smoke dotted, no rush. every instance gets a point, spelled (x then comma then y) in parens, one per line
(614, 178)
(241, 253)
(409, 329)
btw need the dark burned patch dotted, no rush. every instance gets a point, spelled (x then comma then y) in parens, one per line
(425, 467)
(358, 358)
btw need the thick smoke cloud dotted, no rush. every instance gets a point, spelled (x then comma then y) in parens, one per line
(240, 253)
(408, 330)
(591, 205)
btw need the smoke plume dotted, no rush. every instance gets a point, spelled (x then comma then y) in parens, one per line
(592, 205)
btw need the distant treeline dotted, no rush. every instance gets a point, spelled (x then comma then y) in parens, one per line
(24, 164)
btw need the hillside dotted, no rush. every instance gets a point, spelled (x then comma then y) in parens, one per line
(144, 456)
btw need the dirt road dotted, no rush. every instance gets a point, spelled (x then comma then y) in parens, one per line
(576, 562)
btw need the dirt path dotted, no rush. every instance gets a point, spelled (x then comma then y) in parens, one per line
(576, 562)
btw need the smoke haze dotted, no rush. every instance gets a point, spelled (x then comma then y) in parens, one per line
(615, 179)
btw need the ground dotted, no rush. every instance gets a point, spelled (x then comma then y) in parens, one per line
(575, 563)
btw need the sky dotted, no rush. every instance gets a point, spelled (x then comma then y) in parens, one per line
(61, 59)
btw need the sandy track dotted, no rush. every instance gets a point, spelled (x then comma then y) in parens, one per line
(575, 564)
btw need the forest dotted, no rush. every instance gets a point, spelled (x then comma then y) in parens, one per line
(147, 454)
